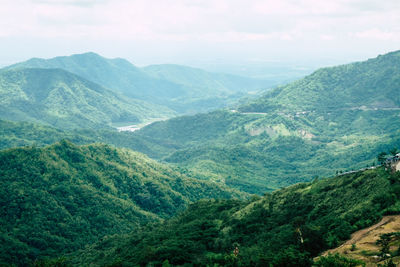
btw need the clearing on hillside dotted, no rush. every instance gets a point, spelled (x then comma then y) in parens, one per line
(365, 248)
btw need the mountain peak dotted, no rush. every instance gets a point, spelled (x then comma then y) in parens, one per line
(90, 53)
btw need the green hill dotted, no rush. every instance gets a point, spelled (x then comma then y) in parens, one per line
(116, 74)
(368, 85)
(62, 197)
(207, 90)
(203, 81)
(180, 88)
(62, 99)
(336, 119)
(19, 134)
(285, 228)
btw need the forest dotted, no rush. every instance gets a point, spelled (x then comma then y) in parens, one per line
(275, 179)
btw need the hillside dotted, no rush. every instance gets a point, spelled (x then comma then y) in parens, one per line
(19, 134)
(207, 89)
(365, 244)
(59, 198)
(204, 81)
(285, 228)
(367, 85)
(116, 74)
(334, 120)
(62, 99)
(180, 88)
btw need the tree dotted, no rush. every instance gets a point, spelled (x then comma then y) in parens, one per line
(382, 158)
(394, 151)
(337, 261)
(384, 242)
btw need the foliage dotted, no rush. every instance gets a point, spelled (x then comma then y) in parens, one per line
(256, 153)
(62, 197)
(337, 261)
(183, 89)
(285, 228)
(64, 100)
(336, 119)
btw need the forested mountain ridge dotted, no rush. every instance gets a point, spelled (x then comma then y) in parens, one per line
(65, 100)
(116, 74)
(59, 198)
(180, 88)
(205, 82)
(285, 228)
(333, 120)
(371, 84)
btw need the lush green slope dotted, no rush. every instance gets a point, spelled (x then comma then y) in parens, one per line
(335, 119)
(116, 74)
(206, 87)
(64, 100)
(285, 228)
(18, 134)
(368, 85)
(62, 197)
(204, 80)
(181, 88)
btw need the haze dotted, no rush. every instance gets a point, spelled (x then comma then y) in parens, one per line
(205, 33)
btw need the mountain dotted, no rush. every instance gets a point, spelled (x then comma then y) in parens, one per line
(291, 134)
(19, 134)
(204, 82)
(64, 100)
(116, 74)
(59, 198)
(333, 120)
(180, 88)
(285, 228)
(207, 89)
(368, 85)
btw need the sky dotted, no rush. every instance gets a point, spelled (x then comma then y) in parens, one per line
(196, 32)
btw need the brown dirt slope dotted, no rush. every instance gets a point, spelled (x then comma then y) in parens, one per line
(365, 242)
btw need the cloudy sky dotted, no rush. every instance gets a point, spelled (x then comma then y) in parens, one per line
(195, 31)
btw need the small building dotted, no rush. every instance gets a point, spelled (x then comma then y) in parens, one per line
(393, 163)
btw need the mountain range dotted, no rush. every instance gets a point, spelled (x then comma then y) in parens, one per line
(84, 202)
(64, 100)
(333, 120)
(181, 88)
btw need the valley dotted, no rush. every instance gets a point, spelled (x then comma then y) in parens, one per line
(293, 133)
(199, 133)
(107, 164)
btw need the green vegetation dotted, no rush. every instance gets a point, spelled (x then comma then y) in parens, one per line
(289, 143)
(334, 120)
(367, 85)
(337, 261)
(61, 99)
(95, 204)
(62, 197)
(285, 228)
(257, 152)
(17, 134)
(205, 90)
(183, 89)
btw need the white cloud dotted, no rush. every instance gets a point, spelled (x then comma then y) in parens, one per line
(377, 34)
(212, 25)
